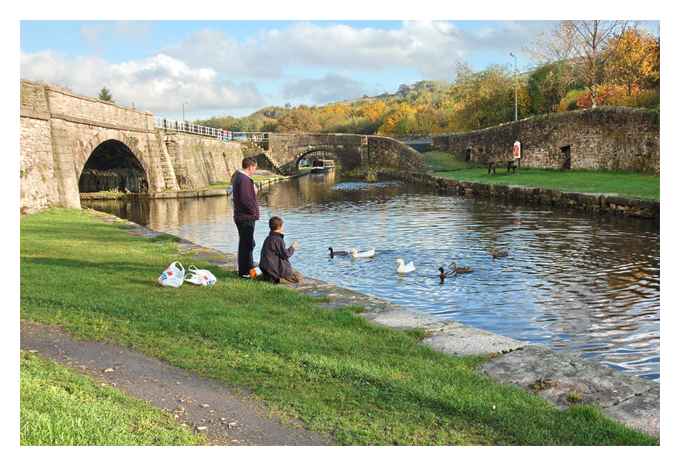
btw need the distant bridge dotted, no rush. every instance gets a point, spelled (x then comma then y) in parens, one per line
(285, 151)
(72, 144)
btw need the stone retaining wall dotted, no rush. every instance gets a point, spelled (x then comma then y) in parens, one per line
(593, 203)
(605, 138)
(199, 161)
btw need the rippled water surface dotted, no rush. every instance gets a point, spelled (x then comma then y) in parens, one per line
(572, 282)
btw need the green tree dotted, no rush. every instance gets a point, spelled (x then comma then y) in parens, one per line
(105, 95)
(547, 85)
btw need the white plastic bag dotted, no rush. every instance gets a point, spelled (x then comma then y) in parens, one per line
(200, 277)
(172, 276)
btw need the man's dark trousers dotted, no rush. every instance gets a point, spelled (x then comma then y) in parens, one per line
(246, 244)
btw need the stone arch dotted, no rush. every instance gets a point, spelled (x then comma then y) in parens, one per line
(323, 151)
(112, 165)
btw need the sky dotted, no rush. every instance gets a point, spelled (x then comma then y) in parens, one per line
(215, 68)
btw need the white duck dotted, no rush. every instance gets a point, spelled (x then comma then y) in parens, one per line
(405, 268)
(362, 254)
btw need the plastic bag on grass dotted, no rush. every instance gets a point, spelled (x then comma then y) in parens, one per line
(172, 276)
(200, 277)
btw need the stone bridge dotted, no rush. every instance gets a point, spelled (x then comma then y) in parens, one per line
(351, 152)
(71, 144)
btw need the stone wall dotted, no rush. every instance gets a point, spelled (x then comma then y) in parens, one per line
(390, 154)
(61, 130)
(199, 161)
(38, 187)
(592, 203)
(605, 138)
(353, 151)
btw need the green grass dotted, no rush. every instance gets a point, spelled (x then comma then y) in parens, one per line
(626, 184)
(443, 161)
(224, 185)
(62, 407)
(256, 179)
(359, 383)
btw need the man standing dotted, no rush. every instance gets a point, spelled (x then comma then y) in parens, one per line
(246, 213)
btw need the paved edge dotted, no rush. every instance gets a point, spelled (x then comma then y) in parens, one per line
(629, 399)
(207, 406)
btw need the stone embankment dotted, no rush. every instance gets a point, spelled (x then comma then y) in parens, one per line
(589, 202)
(563, 379)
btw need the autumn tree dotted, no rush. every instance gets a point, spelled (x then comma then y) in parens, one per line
(299, 120)
(584, 45)
(634, 60)
(485, 98)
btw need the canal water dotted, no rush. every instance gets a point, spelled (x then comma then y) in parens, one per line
(571, 281)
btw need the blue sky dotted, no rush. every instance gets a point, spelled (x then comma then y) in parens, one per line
(236, 67)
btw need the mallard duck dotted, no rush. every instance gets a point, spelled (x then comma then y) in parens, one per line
(362, 254)
(337, 253)
(405, 268)
(458, 270)
(442, 275)
(498, 253)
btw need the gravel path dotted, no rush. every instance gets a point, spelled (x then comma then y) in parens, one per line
(222, 415)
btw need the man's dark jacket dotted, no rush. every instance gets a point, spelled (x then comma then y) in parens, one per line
(274, 257)
(245, 198)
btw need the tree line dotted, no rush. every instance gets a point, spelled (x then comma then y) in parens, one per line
(579, 64)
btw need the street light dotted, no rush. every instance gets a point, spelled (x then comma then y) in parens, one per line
(513, 56)
(183, 110)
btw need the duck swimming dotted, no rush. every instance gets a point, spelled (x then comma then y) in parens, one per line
(337, 253)
(458, 270)
(498, 253)
(405, 268)
(442, 275)
(362, 254)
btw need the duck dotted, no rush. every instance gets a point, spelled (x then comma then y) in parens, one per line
(458, 270)
(405, 268)
(362, 254)
(337, 253)
(442, 275)
(498, 253)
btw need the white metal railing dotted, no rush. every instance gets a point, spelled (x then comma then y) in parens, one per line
(187, 127)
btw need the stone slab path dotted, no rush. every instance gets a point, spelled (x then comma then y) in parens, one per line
(209, 407)
(565, 379)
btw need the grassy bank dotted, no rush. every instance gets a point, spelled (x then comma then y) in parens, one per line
(359, 383)
(626, 184)
(256, 179)
(61, 407)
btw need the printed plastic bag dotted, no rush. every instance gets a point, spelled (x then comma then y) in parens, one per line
(172, 276)
(200, 277)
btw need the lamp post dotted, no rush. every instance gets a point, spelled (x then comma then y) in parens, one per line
(183, 110)
(513, 56)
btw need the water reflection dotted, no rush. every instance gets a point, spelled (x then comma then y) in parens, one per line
(573, 282)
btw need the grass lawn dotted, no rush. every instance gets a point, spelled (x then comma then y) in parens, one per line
(62, 407)
(626, 184)
(256, 179)
(360, 383)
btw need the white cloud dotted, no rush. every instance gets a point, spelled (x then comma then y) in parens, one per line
(431, 47)
(97, 33)
(158, 83)
(332, 87)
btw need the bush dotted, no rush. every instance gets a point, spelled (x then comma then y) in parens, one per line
(572, 99)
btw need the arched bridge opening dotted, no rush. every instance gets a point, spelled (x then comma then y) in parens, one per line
(316, 157)
(112, 166)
